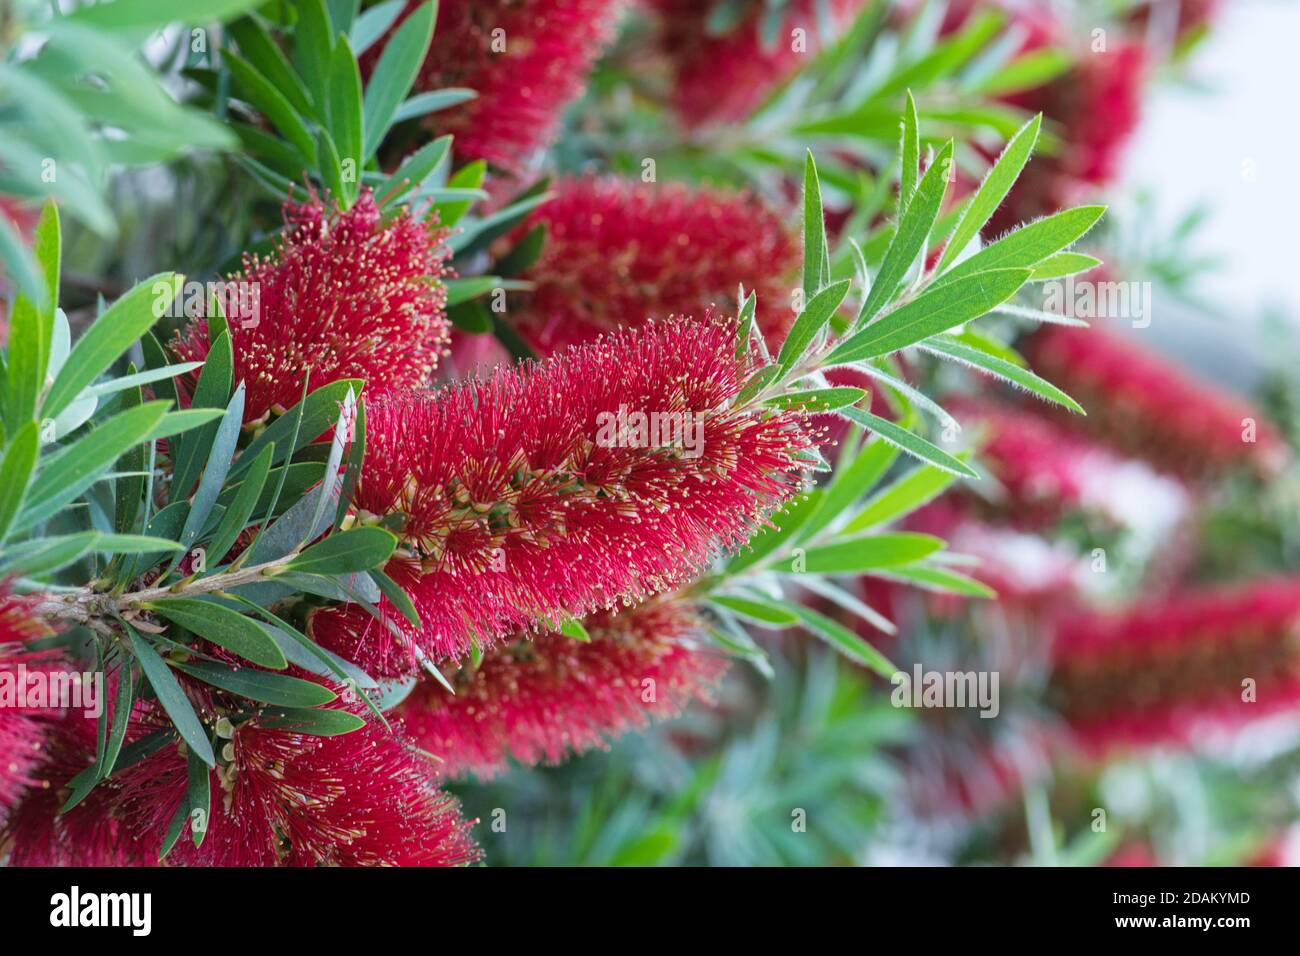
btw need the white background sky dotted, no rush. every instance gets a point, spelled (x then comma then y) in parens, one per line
(1193, 146)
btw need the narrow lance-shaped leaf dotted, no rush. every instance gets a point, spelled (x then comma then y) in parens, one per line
(914, 226)
(172, 697)
(817, 312)
(1000, 368)
(124, 322)
(223, 626)
(909, 442)
(814, 229)
(992, 191)
(936, 310)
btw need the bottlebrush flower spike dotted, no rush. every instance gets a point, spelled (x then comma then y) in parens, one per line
(21, 729)
(526, 59)
(346, 294)
(1046, 469)
(617, 253)
(1150, 409)
(38, 834)
(539, 699)
(280, 798)
(722, 78)
(1163, 672)
(544, 492)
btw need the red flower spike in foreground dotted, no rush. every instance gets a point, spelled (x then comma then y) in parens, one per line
(345, 295)
(539, 700)
(614, 471)
(279, 798)
(1151, 409)
(37, 833)
(1163, 672)
(723, 78)
(21, 729)
(617, 253)
(526, 59)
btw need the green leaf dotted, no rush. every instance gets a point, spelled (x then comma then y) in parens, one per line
(125, 321)
(264, 55)
(31, 326)
(905, 495)
(345, 111)
(241, 507)
(841, 638)
(1063, 264)
(910, 151)
(313, 45)
(348, 552)
(851, 480)
(868, 552)
(992, 190)
(1027, 246)
(16, 473)
(1029, 71)
(178, 423)
(134, 544)
(814, 230)
(273, 104)
(374, 23)
(395, 73)
(810, 322)
(936, 310)
(319, 410)
(198, 795)
(317, 723)
(914, 226)
(909, 442)
(422, 104)
(396, 596)
(123, 701)
(951, 348)
(416, 168)
(784, 524)
(212, 391)
(260, 686)
(819, 399)
(43, 555)
(85, 461)
(148, 15)
(573, 628)
(172, 697)
(762, 613)
(147, 377)
(934, 578)
(214, 472)
(223, 626)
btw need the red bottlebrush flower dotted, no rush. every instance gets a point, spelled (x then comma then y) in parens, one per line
(346, 294)
(614, 471)
(723, 78)
(538, 700)
(21, 730)
(1149, 408)
(526, 59)
(1164, 672)
(38, 834)
(617, 253)
(281, 798)
(1046, 469)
